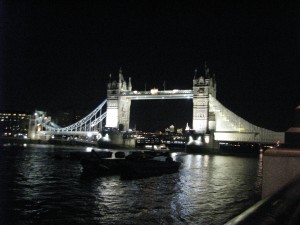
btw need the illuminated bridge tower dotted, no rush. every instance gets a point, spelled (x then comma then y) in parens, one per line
(118, 106)
(203, 86)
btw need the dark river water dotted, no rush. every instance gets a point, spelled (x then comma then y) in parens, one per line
(36, 188)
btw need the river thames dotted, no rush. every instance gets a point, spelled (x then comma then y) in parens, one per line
(37, 188)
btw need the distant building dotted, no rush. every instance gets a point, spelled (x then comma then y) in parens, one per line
(172, 129)
(179, 130)
(187, 128)
(14, 124)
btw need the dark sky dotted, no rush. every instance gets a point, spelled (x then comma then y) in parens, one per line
(57, 55)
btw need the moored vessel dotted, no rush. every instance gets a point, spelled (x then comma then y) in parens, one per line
(133, 166)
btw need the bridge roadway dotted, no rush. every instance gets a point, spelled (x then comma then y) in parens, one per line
(155, 94)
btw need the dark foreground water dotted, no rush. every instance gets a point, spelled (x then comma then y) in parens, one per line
(36, 188)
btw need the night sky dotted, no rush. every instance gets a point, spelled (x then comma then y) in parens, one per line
(57, 55)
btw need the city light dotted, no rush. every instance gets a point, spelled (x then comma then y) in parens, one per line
(206, 139)
(106, 138)
(154, 91)
(194, 142)
(98, 136)
(88, 149)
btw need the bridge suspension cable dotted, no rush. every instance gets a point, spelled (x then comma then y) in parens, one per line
(83, 126)
(231, 127)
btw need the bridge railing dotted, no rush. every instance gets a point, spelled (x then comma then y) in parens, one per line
(283, 207)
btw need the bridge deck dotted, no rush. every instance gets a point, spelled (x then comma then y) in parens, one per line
(154, 94)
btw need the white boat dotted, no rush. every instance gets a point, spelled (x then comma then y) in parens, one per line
(161, 147)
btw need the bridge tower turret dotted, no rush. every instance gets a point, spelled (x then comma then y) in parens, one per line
(203, 86)
(118, 106)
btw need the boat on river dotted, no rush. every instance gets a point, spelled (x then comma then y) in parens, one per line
(160, 147)
(133, 166)
(143, 168)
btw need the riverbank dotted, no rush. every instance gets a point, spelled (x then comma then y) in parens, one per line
(19, 141)
(11, 140)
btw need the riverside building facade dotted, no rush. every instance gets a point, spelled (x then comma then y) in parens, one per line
(13, 124)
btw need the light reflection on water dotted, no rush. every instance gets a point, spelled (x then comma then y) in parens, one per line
(36, 188)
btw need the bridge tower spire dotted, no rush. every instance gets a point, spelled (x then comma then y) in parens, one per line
(196, 71)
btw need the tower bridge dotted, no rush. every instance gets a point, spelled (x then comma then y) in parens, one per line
(212, 122)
